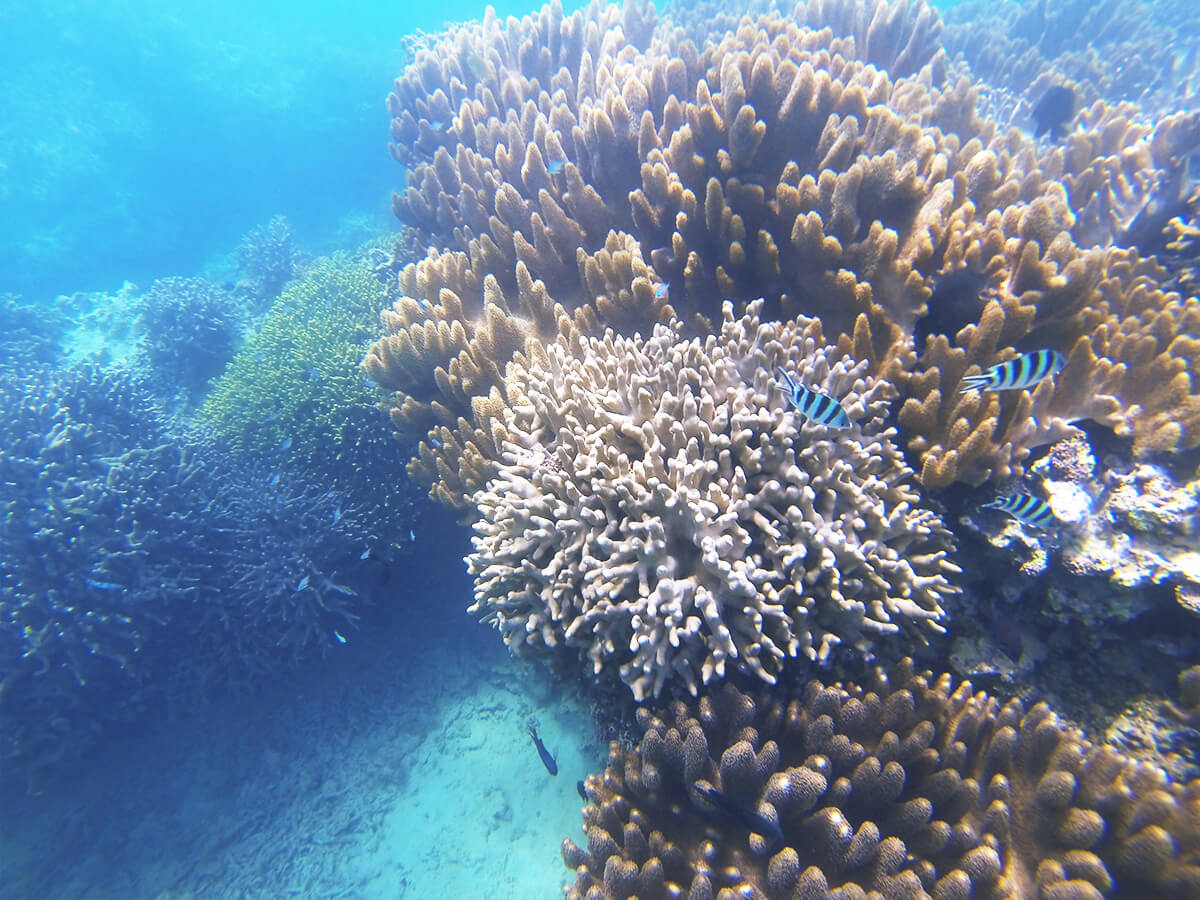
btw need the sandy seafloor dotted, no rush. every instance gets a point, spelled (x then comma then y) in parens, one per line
(398, 767)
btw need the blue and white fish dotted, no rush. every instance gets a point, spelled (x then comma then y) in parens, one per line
(555, 166)
(813, 405)
(662, 290)
(1025, 508)
(337, 515)
(337, 634)
(303, 583)
(1021, 372)
(286, 444)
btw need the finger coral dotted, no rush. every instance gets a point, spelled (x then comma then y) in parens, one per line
(609, 169)
(663, 512)
(908, 786)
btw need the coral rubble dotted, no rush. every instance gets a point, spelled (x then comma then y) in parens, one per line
(907, 786)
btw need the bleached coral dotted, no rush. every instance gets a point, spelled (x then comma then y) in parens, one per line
(662, 511)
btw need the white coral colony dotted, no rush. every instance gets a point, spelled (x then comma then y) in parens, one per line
(660, 511)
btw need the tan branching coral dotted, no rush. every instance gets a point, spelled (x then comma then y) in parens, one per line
(909, 786)
(663, 512)
(610, 170)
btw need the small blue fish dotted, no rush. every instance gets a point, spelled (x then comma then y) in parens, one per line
(422, 303)
(286, 444)
(274, 480)
(813, 405)
(337, 515)
(303, 583)
(337, 634)
(412, 535)
(1021, 372)
(366, 554)
(102, 585)
(1025, 508)
(259, 356)
(661, 291)
(313, 373)
(555, 166)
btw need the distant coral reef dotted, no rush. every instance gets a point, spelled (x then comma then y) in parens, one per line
(906, 786)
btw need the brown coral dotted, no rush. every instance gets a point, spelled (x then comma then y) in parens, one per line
(908, 787)
(604, 171)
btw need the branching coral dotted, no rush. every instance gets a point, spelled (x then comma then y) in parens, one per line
(295, 392)
(909, 786)
(600, 170)
(190, 331)
(123, 544)
(267, 259)
(663, 512)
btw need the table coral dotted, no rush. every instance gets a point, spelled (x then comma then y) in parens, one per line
(663, 512)
(906, 786)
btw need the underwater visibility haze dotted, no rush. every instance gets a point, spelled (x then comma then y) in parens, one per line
(605, 451)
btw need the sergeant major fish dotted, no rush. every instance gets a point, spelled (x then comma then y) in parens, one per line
(1025, 508)
(547, 758)
(813, 405)
(1021, 372)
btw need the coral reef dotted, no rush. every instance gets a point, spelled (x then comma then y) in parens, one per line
(190, 329)
(608, 169)
(1123, 533)
(267, 259)
(662, 511)
(141, 566)
(295, 394)
(908, 786)
(1113, 51)
(28, 332)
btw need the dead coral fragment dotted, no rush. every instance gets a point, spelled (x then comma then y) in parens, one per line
(663, 511)
(907, 787)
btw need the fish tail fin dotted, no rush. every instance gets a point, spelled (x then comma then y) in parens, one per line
(975, 382)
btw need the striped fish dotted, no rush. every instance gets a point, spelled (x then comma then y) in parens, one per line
(1025, 508)
(1016, 374)
(813, 405)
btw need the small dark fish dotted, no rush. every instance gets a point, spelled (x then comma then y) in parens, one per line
(547, 759)
(555, 166)
(582, 790)
(813, 405)
(750, 818)
(958, 299)
(1054, 112)
(1025, 508)
(1016, 374)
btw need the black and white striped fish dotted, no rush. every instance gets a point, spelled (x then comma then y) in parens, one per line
(1025, 508)
(1022, 372)
(813, 405)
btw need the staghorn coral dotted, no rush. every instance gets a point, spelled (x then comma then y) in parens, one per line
(190, 330)
(907, 786)
(140, 565)
(662, 512)
(267, 260)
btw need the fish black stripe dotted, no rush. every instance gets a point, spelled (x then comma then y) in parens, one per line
(820, 408)
(1024, 504)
